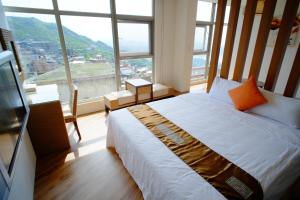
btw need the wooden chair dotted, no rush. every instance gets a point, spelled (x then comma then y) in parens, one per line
(70, 112)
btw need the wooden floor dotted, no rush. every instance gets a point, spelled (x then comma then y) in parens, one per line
(90, 171)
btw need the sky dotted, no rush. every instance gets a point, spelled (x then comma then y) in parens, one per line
(204, 11)
(200, 40)
(87, 26)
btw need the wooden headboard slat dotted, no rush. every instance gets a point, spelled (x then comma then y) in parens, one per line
(283, 36)
(216, 42)
(250, 10)
(262, 37)
(294, 76)
(231, 30)
(290, 12)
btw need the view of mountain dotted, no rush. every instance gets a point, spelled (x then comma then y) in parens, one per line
(91, 63)
(29, 29)
(77, 45)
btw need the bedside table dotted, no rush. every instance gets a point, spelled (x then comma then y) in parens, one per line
(140, 87)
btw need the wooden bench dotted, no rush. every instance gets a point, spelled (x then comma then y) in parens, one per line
(124, 98)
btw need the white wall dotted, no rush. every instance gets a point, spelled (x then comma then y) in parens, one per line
(23, 181)
(23, 178)
(185, 21)
(288, 58)
(175, 22)
(164, 40)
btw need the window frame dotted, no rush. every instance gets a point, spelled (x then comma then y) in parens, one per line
(201, 52)
(120, 18)
(210, 24)
(115, 19)
(133, 55)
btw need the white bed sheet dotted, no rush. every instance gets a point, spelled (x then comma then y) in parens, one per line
(266, 149)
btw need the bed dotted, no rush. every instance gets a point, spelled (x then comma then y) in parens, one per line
(266, 149)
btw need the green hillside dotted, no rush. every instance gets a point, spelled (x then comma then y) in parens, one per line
(37, 30)
(78, 71)
(30, 30)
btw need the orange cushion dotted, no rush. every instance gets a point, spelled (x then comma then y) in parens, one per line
(247, 95)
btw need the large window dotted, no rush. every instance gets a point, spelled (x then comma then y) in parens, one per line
(94, 6)
(90, 55)
(204, 11)
(44, 4)
(206, 14)
(38, 42)
(134, 38)
(136, 68)
(94, 44)
(203, 39)
(135, 27)
(134, 7)
(135, 50)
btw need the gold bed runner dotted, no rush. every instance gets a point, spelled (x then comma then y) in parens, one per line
(226, 177)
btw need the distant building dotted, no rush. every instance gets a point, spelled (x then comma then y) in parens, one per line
(39, 56)
(98, 59)
(42, 65)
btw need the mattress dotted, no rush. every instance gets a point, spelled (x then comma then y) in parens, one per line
(266, 149)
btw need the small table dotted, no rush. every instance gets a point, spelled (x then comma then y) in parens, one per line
(137, 86)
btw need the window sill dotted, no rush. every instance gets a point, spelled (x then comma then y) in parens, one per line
(197, 82)
(88, 107)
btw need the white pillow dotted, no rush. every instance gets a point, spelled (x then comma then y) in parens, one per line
(283, 109)
(220, 87)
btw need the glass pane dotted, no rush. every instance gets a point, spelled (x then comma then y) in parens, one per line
(134, 7)
(136, 68)
(133, 38)
(90, 54)
(46, 4)
(226, 17)
(204, 10)
(41, 57)
(222, 49)
(97, 6)
(201, 38)
(198, 67)
(227, 12)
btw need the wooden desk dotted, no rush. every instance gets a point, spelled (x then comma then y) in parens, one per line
(46, 124)
(44, 93)
(139, 86)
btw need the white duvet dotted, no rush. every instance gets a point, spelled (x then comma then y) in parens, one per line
(266, 149)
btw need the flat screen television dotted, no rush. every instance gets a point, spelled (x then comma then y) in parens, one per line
(13, 115)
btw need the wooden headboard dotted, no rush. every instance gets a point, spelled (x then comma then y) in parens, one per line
(289, 14)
